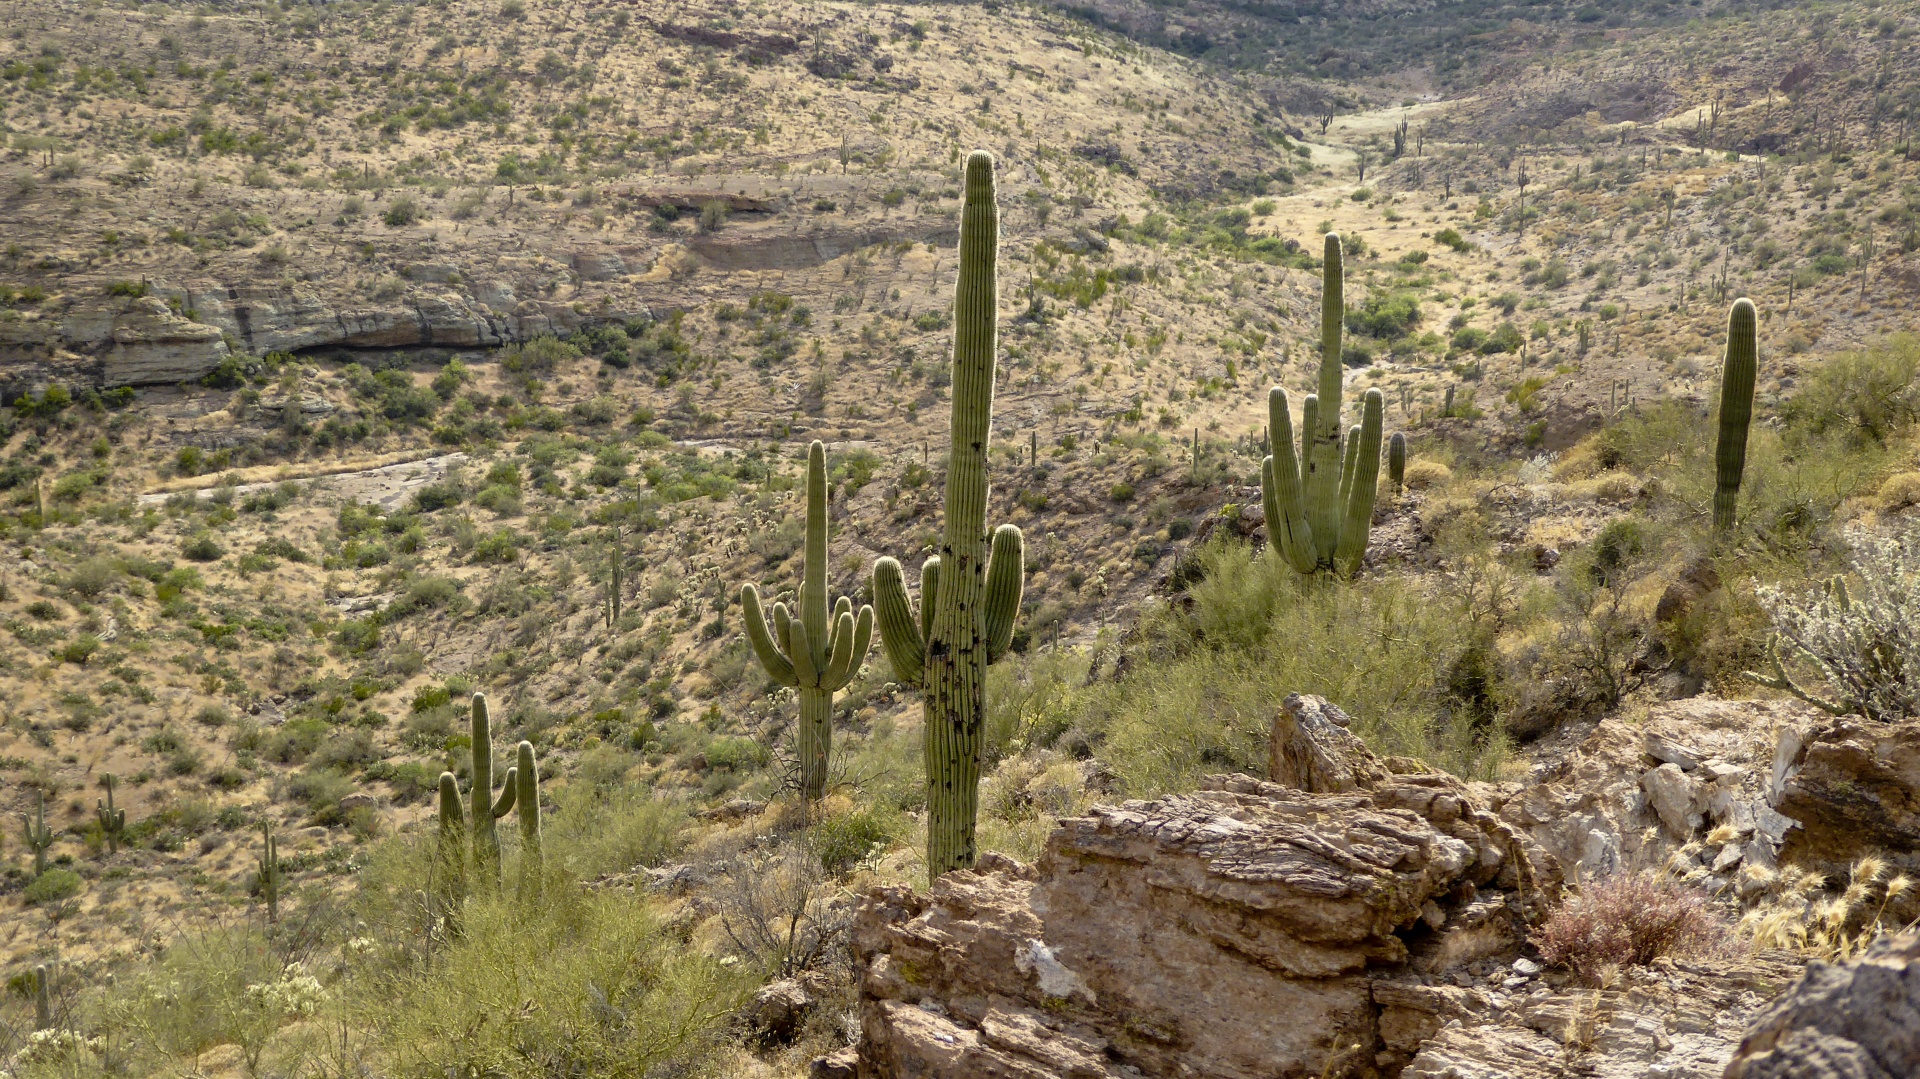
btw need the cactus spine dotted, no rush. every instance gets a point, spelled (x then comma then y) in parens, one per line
(42, 997)
(112, 821)
(970, 592)
(532, 859)
(1319, 504)
(1397, 462)
(453, 841)
(270, 871)
(1736, 412)
(818, 653)
(39, 836)
(486, 810)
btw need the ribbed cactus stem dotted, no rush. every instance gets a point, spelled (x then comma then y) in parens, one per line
(1321, 475)
(1281, 498)
(485, 808)
(1397, 462)
(42, 997)
(39, 836)
(112, 821)
(821, 651)
(453, 840)
(532, 857)
(1736, 412)
(1362, 482)
(969, 593)
(269, 869)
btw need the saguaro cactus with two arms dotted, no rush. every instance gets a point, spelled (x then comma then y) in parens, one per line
(1319, 503)
(39, 836)
(1736, 411)
(970, 594)
(818, 653)
(112, 821)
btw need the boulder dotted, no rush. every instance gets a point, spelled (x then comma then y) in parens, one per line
(1853, 787)
(777, 1011)
(1242, 929)
(152, 344)
(1858, 1020)
(1311, 749)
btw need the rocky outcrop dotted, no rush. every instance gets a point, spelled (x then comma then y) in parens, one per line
(1245, 929)
(152, 343)
(1853, 787)
(1856, 1021)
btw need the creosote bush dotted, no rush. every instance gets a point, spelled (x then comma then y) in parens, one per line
(1630, 919)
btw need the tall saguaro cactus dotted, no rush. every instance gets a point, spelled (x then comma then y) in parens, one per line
(1736, 411)
(113, 821)
(485, 808)
(1319, 503)
(818, 653)
(970, 592)
(39, 836)
(532, 859)
(269, 868)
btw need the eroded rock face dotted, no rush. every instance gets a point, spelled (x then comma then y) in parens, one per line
(1245, 929)
(1857, 1021)
(153, 344)
(1853, 787)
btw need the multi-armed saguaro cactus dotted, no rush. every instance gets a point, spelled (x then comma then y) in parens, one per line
(526, 772)
(1736, 412)
(39, 836)
(819, 652)
(113, 821)
(1319, 505)
(970, 593)
(1397, 461)
(269, 869)
(486, 809)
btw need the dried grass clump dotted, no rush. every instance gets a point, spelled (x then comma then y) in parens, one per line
(1630, 919)
(1798, 911)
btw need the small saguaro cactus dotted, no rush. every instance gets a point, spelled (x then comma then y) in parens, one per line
(1446, 407)
(527, 778)
(113, 822)
(1736, 412)
(486, 809)
(1397, 461)
(970, 591)
(269, 868)
(820, 651)
(42, 997)
(1319, 503)
(39, 836)
(453, 841)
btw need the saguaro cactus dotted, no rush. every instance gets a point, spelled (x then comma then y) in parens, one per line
(453, 841)
(1397, 461)
(1736, 412)
(532, 859)
(486, 809)
(112, 821)
(819, 652)
(1319, 504)
(269, 868)
(970, 592)
(42, 997)
(39, 836)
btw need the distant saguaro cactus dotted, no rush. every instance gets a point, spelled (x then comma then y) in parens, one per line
(970, 592)
(269, 870)
(42, 997)
(113, 821)
(1397, 462)
(818, 653)
(39, 836)
(1736, 412)
(1319, 504)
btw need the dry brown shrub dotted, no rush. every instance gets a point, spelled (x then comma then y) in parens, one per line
(1630, 919)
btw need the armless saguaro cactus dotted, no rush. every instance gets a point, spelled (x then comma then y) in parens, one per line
(39, 836)
(486, 809)
(1736, 412)
(113, 821)
(452, 850)
(269, 869)
(532, 858)
(1397, 462)
(1319, 503)
(970, 592)
(42, 997)
(818, 653)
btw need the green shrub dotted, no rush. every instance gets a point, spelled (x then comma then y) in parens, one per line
(52, 886)
(1868, 395)
(202, 548)
(842, 842)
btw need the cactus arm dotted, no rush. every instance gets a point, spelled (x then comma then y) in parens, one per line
(900, 632)
(1346, 475)
(1780, 680)
(509, 794)
(453, 840)
(453, 815)
(1280, 494)
(783, 628)
(813, 586)
(802, 653)
(1737, 374)
(1006, 575)
(929, 594)
(852, 636)
(1364, 483)
(772, 660)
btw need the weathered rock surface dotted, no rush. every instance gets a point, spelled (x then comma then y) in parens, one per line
(1856, 1021)
(1311, 749)
(153, 344)
(1245, 929)
(1853, 786)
